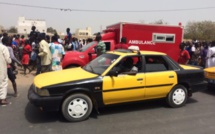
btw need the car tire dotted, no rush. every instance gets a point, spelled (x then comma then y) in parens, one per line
(177, 96)
(77, 107)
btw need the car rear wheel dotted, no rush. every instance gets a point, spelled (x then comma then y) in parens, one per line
(177, 96)
(77, 107)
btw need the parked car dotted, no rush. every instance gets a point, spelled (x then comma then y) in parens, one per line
(210, 76)
(115, 77)
(83, 56)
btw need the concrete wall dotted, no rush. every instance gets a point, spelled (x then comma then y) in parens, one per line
(24, 25)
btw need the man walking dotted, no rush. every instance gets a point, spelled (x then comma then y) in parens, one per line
(4, 61)
(44, 53)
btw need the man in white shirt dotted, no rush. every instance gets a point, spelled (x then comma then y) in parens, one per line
(45, 54)
(4, 61)
(210, 61)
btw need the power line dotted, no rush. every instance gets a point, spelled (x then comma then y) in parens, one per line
(125, 11)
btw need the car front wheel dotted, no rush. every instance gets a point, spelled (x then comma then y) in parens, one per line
(77, 107)
(177, 96)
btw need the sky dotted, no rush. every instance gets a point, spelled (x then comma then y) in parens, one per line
(149, 11)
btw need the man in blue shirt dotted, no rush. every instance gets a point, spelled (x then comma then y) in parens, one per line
(69, 35)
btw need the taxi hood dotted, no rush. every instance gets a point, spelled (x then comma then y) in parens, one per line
(63, 76)
(210, 69)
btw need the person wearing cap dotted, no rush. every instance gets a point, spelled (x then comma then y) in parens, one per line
(44, 53)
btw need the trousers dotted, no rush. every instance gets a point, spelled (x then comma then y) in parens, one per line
(3, 88)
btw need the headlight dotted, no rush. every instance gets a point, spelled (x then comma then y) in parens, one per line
(42, 92)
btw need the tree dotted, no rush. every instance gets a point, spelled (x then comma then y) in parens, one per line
(12, 30)
(159, 22)
(51, 30)
(203, 30)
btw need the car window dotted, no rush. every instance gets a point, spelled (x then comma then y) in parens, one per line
(129, 64)
(156, 64)
(84, 48)
(101, 63)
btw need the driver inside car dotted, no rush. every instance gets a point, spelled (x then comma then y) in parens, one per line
(127, 66)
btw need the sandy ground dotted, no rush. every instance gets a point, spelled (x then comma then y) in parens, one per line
(23, 82)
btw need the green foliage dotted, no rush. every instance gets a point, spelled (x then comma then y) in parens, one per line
(51, 30)
(159, 22)
(12, 30)
(203, 30)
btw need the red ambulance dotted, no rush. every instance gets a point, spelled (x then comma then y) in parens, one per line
(154, 37)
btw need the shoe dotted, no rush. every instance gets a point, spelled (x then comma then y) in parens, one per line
(5, 103)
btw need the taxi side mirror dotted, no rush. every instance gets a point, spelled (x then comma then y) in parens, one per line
(113, 72)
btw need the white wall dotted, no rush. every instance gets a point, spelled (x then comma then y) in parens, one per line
(24, 25)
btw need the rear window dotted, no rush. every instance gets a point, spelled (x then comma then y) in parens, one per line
(156, 64)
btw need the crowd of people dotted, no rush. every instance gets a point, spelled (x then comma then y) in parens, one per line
(37, 51)
(198, 53)
(43, 53)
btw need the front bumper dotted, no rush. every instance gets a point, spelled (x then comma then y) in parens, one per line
(199, 86)
(50, 103)
(211, 83)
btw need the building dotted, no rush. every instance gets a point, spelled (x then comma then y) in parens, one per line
(24, 25)
(83, 33)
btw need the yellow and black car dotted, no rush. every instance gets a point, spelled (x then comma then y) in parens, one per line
(115, 77)
(210, 77)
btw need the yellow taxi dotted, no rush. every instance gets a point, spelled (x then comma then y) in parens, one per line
(210, 76)
(115, 77)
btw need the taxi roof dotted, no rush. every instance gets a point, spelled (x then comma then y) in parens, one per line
(128, 52)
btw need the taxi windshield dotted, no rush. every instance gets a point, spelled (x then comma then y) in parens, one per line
(101, 63)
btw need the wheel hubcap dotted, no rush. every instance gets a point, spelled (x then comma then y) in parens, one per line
(179, 96)
(77, 108)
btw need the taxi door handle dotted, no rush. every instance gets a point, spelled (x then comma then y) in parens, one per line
(171, 76)
(139, 79)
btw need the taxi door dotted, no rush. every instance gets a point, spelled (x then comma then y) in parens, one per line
(123, 88)
(159, 84)
(160, 77)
